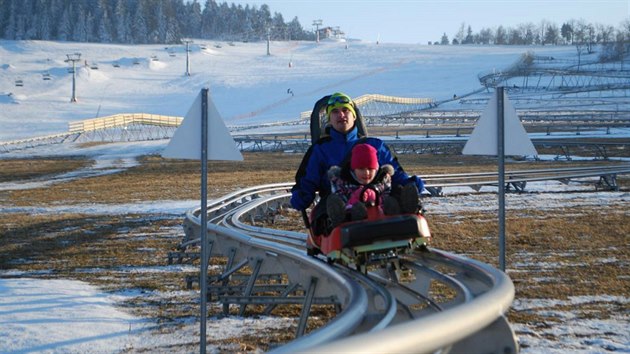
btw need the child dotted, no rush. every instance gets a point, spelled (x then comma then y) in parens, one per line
(362, 183)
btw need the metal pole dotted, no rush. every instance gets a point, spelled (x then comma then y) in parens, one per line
(73, 58)
(203, 273)
(187, 59)
(317, 23)
(501, 158)
(74, 82)
(268, 40)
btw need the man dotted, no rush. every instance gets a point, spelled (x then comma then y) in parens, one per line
(333, 149)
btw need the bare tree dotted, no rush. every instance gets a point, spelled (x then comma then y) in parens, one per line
(580, 40)
(543, 31)
(501, 36)
(485, 36)
(605, 34)
(460, 34)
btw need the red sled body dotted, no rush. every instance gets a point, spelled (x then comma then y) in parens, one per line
(376, 238)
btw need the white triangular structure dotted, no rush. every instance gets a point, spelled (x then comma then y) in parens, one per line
(186, 142)
(483, 140)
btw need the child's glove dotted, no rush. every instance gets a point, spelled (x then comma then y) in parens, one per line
(368, 196)
(365, 195)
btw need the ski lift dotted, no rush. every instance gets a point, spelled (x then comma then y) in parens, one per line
(136, 62)
(19, 83)
(116, 64)
(46, 76)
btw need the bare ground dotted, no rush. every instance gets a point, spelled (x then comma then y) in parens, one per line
(553, 254)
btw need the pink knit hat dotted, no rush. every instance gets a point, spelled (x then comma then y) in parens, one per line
(364, 156)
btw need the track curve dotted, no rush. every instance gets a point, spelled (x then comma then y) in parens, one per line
(456, 303)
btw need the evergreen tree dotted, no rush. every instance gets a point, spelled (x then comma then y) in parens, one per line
(10, 26)
(140, 31)
(444, 40)
(31, 20)
(172, 32)
(295, 30)
(551, 35)
(209, 19)
(469, 36)
(193, 22)
(278, 27)
(158, 33)
(104, 32)
(20, 27)
(123, 29)
(44, 28)
(65, 25)
(103, 24)
(567, 32)
(173, 27)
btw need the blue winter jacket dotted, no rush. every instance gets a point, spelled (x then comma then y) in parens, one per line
(332, 151)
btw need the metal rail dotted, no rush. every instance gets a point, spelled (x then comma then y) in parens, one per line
(442, 145)
(384, 303)
(472, 321)
(279, 274)
(398, 306)
(517, 180)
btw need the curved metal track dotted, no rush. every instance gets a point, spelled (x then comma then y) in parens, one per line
(456, 303)
(278, 273)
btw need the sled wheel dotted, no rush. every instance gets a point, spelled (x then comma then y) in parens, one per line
(312, 251)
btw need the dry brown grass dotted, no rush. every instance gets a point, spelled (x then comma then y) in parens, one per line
(160, 179)
(551, 254)
(19, 169)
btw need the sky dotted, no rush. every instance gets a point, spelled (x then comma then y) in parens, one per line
(421, 21)
(38, 315)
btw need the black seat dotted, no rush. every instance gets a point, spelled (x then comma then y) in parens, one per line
(394, 228)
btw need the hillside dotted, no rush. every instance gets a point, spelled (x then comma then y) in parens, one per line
(246, 84)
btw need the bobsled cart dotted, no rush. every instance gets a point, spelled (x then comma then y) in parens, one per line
(375, 239)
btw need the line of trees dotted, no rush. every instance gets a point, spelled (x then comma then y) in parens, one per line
(142, 21)
(169, 21)
(614, 42)
(546, 33)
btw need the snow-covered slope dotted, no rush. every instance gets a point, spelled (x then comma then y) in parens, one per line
(246, 84)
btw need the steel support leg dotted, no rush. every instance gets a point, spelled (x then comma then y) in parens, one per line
(250, 284)
(306, 307)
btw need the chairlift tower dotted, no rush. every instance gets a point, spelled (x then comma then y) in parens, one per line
(317, 23)
(73, 58)
(268, 40)
(187, 41)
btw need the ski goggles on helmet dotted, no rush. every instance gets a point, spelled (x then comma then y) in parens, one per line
(341, 99)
